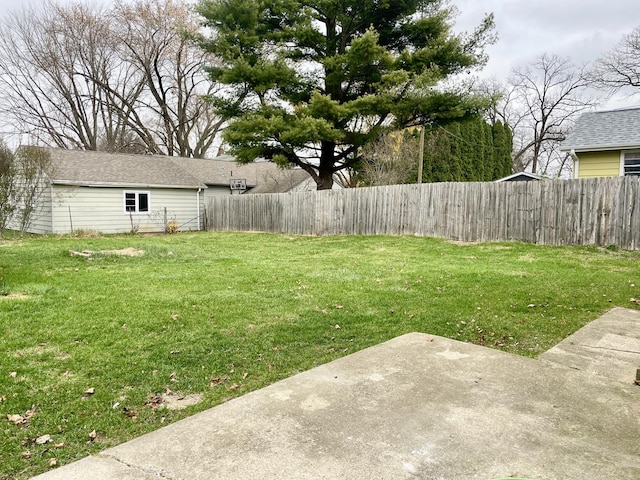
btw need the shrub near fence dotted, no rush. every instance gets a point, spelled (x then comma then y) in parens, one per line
(598, 211)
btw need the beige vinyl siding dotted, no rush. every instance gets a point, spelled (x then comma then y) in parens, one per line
(212, 190)
(599, 164)
(102, 209)
(41, 216)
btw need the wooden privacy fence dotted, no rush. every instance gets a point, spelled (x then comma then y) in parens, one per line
(598, 211)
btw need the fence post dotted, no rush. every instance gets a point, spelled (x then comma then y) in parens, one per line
(70, 220)
(165, 219)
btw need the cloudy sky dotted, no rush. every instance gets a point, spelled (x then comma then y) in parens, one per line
(579, 29)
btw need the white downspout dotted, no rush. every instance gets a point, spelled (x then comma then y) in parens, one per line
(198, 206)
(576, 163)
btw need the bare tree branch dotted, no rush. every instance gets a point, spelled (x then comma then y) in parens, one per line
(128, 77)
(540, 102)
(620, 67)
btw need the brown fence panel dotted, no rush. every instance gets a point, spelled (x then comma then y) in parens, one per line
(599, 211)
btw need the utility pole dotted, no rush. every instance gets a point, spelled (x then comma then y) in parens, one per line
(421, 155)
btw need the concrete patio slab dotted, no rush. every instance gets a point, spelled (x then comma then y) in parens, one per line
(418, 406)
(608, 346)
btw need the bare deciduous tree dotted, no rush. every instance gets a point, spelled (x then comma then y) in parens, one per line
(390, 160)
(7, 185)
(46, 57)
(22, 183)
(32, 165)
(540, 103)
(125, 78)
(620, 67)
(156, 37)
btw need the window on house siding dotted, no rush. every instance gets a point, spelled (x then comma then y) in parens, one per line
(632, 163)
(136, 202)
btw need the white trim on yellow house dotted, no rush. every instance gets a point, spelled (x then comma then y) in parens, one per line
(621, 172)
(599, 140)
(622, 154)
(600, 156)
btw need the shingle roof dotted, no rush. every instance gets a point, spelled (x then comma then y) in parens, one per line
(263, 175)
(79, 167)
(607, 130)
(520, 176)
(280, 182)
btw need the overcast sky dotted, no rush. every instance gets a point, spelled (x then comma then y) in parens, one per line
(580, 29)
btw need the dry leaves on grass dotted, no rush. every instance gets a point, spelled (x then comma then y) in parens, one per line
(42, 439)
(172, 400)
(215, 381)
(23, 420)
(132, 414)
(15, 418)
(154, 401)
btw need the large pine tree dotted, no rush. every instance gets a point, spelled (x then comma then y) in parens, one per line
(310, 82)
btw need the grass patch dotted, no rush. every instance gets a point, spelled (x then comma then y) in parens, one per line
(91, 343)
(4, 288)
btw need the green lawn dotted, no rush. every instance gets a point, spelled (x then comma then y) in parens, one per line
(223, 314)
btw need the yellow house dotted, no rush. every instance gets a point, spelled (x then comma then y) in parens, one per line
(605, 144)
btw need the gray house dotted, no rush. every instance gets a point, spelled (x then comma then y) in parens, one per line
(119, 193)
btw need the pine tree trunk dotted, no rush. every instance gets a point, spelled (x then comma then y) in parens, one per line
(325, 182)
(325, 170)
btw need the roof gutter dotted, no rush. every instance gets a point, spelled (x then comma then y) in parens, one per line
(80, 183)
(600, 148)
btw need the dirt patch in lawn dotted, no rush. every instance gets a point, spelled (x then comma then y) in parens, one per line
(40, 350)
(173, 401)
(14, 296)
(460, 243)
(124, 252)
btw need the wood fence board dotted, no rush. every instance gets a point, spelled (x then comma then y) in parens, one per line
(598, 211)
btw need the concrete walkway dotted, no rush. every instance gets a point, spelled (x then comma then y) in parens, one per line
(418, 406)
(608, 346)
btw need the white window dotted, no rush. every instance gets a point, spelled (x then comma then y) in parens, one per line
(632, 163)
(136, 202)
